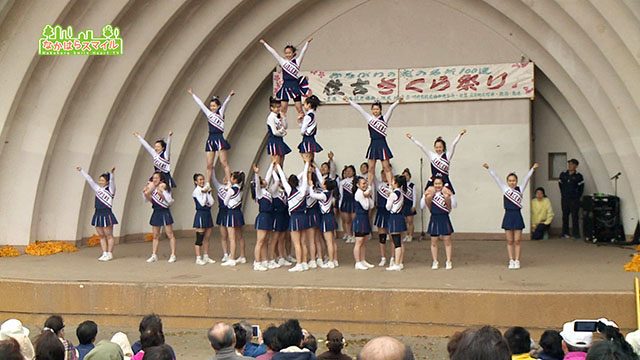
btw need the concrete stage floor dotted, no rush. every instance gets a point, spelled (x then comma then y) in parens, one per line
(560, 280)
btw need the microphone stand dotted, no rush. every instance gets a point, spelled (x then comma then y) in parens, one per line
(615, 183)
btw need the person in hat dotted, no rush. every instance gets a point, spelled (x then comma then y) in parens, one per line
(575, 344)
(13, 329)
(122, 340)
(335, 344)
(571, 189)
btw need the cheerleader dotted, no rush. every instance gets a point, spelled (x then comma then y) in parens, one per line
(216, 142)
(397, 224)
(312, 235)
(280, 220)
(440, 161)
(234, 220)
(298, 222)
(408, 207)
(327, 221)
(309, 128)
(158, 192)
(294, 86)
(264, 220)
(103, 218)
(202, 222)
(160, 154)
(378, 148)
(361, 224)
(364, 170)
(438, 200)
(276, 130)
(221, 192)
(512, 223)
(346, 205)
(382, 216)
(328, 168)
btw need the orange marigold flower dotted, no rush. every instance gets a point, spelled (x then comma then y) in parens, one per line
(9, 251)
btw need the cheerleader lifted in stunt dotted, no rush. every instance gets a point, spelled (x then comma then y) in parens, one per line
(309, 128)
(276, 131)
(378, 125)
(294, 86)
(512, 223)
(160, 155)
(103, 218)
(440, 159)
(216, 142)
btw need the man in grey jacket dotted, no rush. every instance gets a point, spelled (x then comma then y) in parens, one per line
(223, 339)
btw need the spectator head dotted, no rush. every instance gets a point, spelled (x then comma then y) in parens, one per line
(609, 350)
(335, 341)
(48, 346)
(575, 341)
(551, 344)
(10, 350)
(122, 340)
(151, 320)
(105, 350)
(385, 348)
(633, 338)
(452, 345)
(572, 164)
(310, 343)
(55, 323)
(269, 338)
(221, 336)
(162, 352)
(13, 329)
(485, 343)
(242, 336)
(518, 339)
(86, 332)
(290, 334)
(150, 338)
(540, 193)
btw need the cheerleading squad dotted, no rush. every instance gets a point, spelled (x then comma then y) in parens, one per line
(297, 213)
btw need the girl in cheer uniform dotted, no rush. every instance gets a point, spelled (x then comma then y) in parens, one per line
(158, 192)
(202, 221)
(438, 200)
(276, 130)
(397, 224)
(235, 219)
(382, 216)
(361, 224)
(346, 204)
(160, 155)
(309, 128)
(512, 223)
(409, 205)
(264, 220)
(103, 218)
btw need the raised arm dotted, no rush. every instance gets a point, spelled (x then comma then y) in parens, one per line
(423, 201)
(215, 181)
(304, 185)
(225, 103)
(145, 144)
(318, 174)
(452, 150)
(392, 107)
(528, 176)
(202, 106)
(414, 198)
(341, 192)
(273, 52)
(89, 179)
(167, 150)
(112, 181)
(302, 52)
(256, 184)
(359, 108)
(503, 187)
(283, 179)
(332, 166)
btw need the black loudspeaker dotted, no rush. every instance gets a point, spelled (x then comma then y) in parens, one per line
(636, 234)
(601, 219)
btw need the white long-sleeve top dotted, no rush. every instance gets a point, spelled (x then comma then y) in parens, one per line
(104, 194)
(161, 161)
(204, 198)
(216, 119)
(295, 197)
(325, 199)
(309, 124)
(395, 201)
(263, 192)
(277, 125)
(291, 67)
(513, 195)
(365, 202)
(437, 160)
(380, 124)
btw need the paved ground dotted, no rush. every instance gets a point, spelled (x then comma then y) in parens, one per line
(549, 265)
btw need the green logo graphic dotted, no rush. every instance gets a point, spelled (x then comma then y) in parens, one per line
(56, 40)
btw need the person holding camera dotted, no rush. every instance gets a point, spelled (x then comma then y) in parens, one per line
(571, 188)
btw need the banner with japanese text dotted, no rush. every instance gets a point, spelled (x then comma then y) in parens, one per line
(443, 83)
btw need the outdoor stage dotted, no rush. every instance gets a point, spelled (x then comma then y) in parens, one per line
(560, 280)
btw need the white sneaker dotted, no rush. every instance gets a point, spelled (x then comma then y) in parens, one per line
(199, 261)
(448, 265)
(382, 261)
(104, 257)
(319, 262)
(324, 265)
(345, 237)
(394, 267)
(241, 260)
(291, 259)
(296, 268)
(512, 264)
(335, 263)
(409, 238)
(109, 256)
(305, 266)
(360, 266)
(153, 258)
(229, 262)
(401, 266)
(272, 265)
(330, 265)
(352, 239)
(434, 265)
(516, 264)
(259, 267)
(312, 264)
(365, 263)
(172, 259)
(392, 261)
(284, 262)
(207, 259)
(225, 258)
(265, 264)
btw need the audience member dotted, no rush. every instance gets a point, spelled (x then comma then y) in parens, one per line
(385, 348)
(252, 349)
(290, 342)
(269, 338)
(550, 346)
(161, 352)
(56, 324)
(575, 344)
(48, 346)
(105, 350)
(519, 342)
(485, 343)
(13, 329)
(223, 339)
(10, 350)
(335, 343)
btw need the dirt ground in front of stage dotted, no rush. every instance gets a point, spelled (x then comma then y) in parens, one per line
(548, 265)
